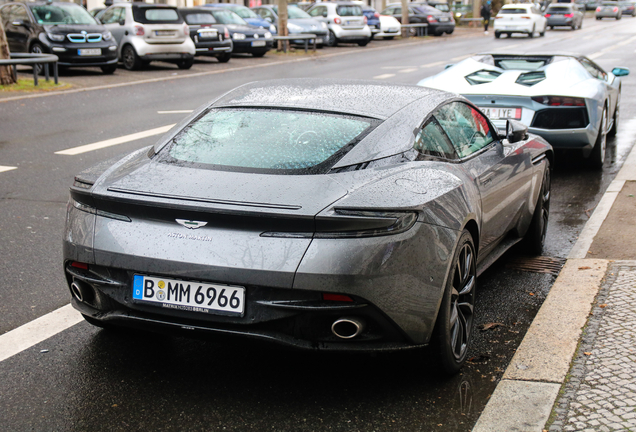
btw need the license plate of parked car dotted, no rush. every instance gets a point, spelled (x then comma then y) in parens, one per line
(258, 43)
(164, 32)
(502, 113)
(208, 34)
(89, 52)
(189, 296)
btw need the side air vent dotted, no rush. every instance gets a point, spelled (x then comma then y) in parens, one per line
(482, 77)
(530, 78)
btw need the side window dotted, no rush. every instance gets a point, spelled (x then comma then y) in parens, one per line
(466, 127)
(318, 11)
(5, 14)
(108, 17)
(432, 141)
(594, 70)
(397, 11)
(20, 13)
(266, 13)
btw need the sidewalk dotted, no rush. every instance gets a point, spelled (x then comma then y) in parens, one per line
(575, 369)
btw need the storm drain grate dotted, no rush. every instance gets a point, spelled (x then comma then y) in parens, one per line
(540, 264)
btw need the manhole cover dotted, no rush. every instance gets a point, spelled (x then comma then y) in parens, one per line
(540, 264)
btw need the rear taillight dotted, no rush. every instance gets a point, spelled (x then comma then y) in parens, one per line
(568, 15)
(337, 20)
(615, 9)
(365, 19)
(376, 15)
(431, 19)
(139, 31)
(81, 265)
(186, 29)
(598, 9)
(227, 33)
(549, 15)
(559, 101)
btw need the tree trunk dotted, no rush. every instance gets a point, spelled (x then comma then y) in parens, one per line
(282, 23)
(6, 72)
(405, 18)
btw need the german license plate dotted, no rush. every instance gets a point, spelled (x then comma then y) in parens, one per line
(164, 32)
(258, 43)
(318, 40)
(89, 52)
(190, 296)
(208, 35)
(444, 19)
(502, 113)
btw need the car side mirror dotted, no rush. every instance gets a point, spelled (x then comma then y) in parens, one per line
(515, 131)
(122, 22)
(620, 71)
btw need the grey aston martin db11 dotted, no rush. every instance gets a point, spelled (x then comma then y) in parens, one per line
(567, 99)
(321, 214)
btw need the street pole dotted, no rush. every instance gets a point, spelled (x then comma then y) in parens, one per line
(282, 24)
(405, 17)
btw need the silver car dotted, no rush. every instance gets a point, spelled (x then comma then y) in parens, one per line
(567, 99)
(345, 21)
(146, 32)
(608, 9)
(299, 22)
(564, 15)
(359, 223)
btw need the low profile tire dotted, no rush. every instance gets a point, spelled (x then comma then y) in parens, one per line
(455, 320)
(614, 129)
(37, 48)
(364, 43)
(535, 237)
(109, 69)
(185, 63)
(130, 59)
(332, 40)
(597, 157)
(224, 58)
(531, 34)
(497, 35)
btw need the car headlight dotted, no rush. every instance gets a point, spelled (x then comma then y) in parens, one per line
(324, 25)
(107, 35)
(56, 37)
(238, 36)
(294, 28)
(268, 35)
(272, 28)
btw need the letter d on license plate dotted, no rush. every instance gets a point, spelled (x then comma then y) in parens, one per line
(189, 296)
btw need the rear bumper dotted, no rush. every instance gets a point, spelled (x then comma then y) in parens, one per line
(560, 21)
(344, 33)
(151, 51)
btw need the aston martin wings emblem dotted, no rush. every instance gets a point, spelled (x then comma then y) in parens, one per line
(190, 224)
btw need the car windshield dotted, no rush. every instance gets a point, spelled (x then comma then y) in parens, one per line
(62, 14)
(228, 17)
(156, 15)
(260, 140)
(294, 13)
(244, 12)
(349, 10)
(199, 18)
(560, 9)
(511, 11)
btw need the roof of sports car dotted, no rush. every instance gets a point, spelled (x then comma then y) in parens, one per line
(360, 97)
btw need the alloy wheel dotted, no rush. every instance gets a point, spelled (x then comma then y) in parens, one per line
(462, 301)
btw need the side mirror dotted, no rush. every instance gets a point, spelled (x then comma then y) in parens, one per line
(269, 20)
(515, 131)
(122, 22)
(620, 71)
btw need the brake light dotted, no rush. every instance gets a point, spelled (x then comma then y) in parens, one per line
(431, 19)
(376, 15)
(549, 15)
(337, 20)
(598, 9)
(186, 29)
(569, 15)
(615, 9)
(139, 31)
(336, 297)
(559, 101)
(227, 33)
(365, 19)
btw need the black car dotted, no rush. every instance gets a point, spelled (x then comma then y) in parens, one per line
(210, 38)
(439, 22)
(246, 38)
(64, 29)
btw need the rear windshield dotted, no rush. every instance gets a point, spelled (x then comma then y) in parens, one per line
(442, 7)
(560, 9)
(69, 13)
(610, 4)
(200, 18)
(264, 140)
(244, 12)
(513, 11)
(156, 15)
(349, 10)
(294, 13)
(228, 17)
(527, 64)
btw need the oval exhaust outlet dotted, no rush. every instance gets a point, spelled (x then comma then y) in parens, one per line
(77, 291)
(82, 291)
(347, 328)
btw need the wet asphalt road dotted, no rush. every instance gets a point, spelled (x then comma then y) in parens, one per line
(96, 380)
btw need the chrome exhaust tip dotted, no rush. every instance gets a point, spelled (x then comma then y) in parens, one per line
(347, 328)
(82, 292)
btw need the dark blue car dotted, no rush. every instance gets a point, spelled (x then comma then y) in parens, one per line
(247, 14)
(373, 19)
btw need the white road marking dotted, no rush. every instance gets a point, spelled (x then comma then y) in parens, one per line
(611, 48)
(4, 168)
(175, 112)
(396, 67)
(461, 57)
(509, 47)
(384, 76)
(437, 63)
(38, 330)
(409, 70)
(114, 141)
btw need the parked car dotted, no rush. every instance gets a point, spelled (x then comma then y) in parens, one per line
(608, 9)
(348, 219)
(523, 18)
(246, 39)
(210, 38)
(60, 28)
(373, 19)
(247, 14)
(569, 100)
(628, 8)
(438, 22)
(389, 27)
(148, 32)
(298, 21)
(345, 21)
(564, 14)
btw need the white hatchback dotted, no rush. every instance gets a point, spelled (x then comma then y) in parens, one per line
(519, 18)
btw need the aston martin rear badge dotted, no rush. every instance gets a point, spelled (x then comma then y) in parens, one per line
(190, 224)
